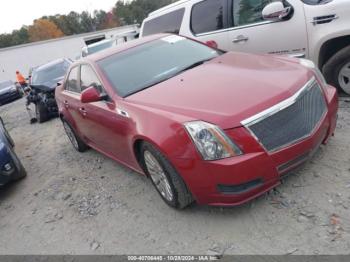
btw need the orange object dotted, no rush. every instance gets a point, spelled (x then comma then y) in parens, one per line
(20, 78)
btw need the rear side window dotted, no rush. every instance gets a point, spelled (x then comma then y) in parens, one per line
(208, 16)
(72, 81)
(168, 23)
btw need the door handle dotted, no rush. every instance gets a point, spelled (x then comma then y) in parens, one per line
(240, 38)
(82, 111)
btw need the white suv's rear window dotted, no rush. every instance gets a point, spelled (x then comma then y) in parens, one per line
(168, 23)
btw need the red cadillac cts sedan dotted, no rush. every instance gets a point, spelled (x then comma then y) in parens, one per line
(218, 128)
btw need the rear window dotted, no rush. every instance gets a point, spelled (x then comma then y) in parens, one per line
(169, 23)
(208, 16)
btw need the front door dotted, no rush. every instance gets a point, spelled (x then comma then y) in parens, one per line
(250, 33)
(102, 125)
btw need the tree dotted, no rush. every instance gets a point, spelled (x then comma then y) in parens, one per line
(103, 20)
(43, 29)
(136, 11)
(86, 22)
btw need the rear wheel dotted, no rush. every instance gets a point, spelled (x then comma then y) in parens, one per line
(77, 143)
(165, 178)
(42, 115)
(337, 70)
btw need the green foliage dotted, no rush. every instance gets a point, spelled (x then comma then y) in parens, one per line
(130, 12)
(17, 37)
(136, 11)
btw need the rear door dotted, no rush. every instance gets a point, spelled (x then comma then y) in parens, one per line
(208, 21)
(250, 33)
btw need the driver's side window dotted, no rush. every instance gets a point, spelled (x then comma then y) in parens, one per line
(247, 12)
(88, 78)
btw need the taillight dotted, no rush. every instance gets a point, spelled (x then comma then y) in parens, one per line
(212, 44)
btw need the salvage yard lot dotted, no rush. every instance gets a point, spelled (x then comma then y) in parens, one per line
(72, 203)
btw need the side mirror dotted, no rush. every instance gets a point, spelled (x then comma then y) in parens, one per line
(90, 95)
(275, 11)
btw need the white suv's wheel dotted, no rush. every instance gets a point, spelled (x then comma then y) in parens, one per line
(337, 70)
(344, 78)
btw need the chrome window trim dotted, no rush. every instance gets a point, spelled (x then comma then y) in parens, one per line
(233, 28)
(279, 107)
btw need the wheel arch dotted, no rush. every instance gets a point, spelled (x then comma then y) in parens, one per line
(136, 146)
(331, 47)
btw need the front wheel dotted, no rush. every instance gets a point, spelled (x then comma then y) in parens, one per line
(337, 70)
(165, 178)
(77, 143)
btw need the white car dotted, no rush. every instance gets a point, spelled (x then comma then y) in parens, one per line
(315, 29)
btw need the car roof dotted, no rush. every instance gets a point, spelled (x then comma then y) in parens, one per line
(6, 82)
(123, 47)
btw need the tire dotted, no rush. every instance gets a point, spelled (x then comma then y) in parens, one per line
(333, 70)
(21, 172)
(7, 135)
(76, 141)
(42, 115)
(181, 196)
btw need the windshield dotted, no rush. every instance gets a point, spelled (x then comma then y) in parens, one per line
(143, 66)
(316, 2)
(5, 84)
(48, 74)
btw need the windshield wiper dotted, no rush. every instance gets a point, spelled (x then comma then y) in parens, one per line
(193, 66)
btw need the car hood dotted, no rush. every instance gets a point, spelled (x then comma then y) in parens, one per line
(227, 89)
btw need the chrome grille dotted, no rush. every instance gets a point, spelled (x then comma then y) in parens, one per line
(290, 121)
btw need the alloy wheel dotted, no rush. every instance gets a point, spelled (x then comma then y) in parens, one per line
(158, 176)
(344, 78)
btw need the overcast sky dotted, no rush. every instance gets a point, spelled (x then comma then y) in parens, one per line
(15, 13)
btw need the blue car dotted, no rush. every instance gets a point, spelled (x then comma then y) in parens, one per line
(11, 168)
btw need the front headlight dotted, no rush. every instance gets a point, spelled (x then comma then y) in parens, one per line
(13, 89)
(311, 65)
(211, 141)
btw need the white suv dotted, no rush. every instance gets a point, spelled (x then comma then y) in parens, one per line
(315, 29)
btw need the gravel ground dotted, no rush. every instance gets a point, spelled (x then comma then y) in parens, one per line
(72, 203)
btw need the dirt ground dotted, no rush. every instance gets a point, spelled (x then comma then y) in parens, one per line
(72, 203)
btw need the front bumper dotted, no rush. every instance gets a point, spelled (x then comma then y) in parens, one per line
(237, 180)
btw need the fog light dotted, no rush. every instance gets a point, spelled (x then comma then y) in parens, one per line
(8, 167)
